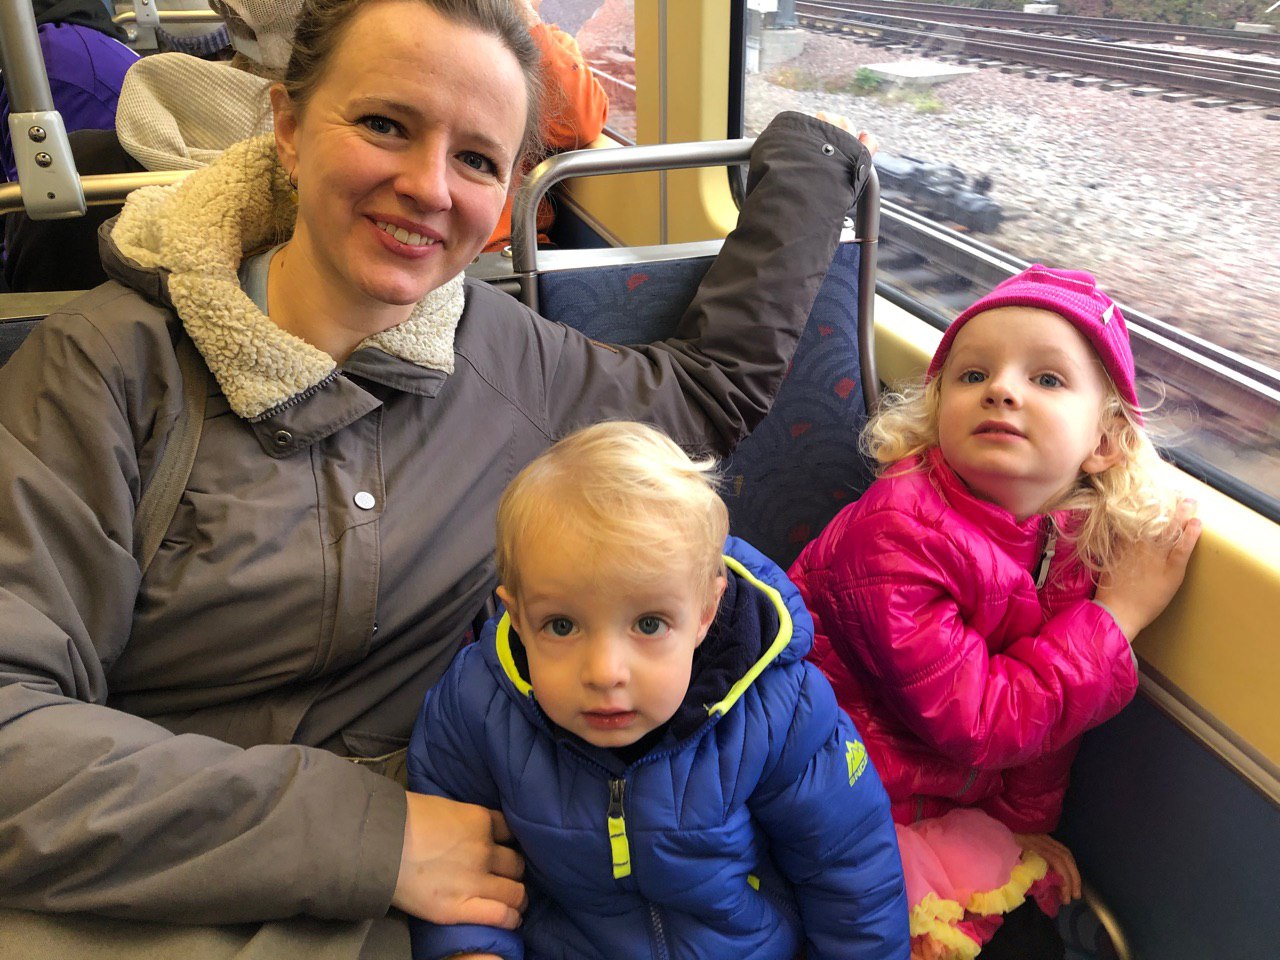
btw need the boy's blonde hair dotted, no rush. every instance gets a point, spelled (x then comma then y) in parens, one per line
(634, 496)
(1125, 504)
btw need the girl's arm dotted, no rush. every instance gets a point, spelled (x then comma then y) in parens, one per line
(830, 833)
(883, 599)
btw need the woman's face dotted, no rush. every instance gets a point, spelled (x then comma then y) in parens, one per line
(402, 155)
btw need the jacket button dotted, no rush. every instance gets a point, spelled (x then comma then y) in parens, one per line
(282, 438)
(365, 500)
(828, 150)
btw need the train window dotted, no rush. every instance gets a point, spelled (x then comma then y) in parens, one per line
(606, 35)
(1142, 152)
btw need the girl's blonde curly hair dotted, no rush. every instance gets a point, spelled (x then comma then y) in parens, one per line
(1125, 504)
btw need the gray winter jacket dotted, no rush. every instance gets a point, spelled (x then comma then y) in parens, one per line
(158, 737)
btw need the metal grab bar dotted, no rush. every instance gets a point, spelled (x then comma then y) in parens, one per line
(681, 156)
(98, 190)
(39, 138)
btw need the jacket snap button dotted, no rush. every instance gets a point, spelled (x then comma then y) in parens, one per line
(282, 438)
(364, 500)
(828, 149)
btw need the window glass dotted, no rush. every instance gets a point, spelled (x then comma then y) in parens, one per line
(1167, 195)
(606, 34)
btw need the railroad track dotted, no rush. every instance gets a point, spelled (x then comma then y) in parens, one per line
(1097, 28)
(1225, 403)
(1226, 80)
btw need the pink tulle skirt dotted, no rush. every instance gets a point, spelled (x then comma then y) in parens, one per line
(964, 872)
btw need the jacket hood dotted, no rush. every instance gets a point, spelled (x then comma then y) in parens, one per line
(164, 127)
(762, 622)
(184, 243)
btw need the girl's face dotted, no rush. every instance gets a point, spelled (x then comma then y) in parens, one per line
(1020, 415)
(402, 156)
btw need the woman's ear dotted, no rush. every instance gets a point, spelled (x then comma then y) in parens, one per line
(285, 114)
(712, 608)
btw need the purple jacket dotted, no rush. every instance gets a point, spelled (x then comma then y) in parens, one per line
(86, 69)
(971, 687)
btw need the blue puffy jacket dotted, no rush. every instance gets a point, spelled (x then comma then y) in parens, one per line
(755, 825)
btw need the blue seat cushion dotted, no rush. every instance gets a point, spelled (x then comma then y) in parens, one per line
(802, 463)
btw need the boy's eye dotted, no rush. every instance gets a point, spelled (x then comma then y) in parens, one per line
(380, 125)
(478, 161)
(650, 626)
(972, 376)
(1049, 380)
(560, 626)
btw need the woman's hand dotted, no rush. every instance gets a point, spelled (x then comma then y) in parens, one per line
(1059, 859)
(452, 868)
(1143, 579)
(865, 137)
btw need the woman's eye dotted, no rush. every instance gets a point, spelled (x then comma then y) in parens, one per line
(380, 125)
(478, 161)
(971, 376)
(1049, 380)
(650, 626)
(560, 626)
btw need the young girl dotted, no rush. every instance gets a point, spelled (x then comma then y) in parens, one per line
(974, 608)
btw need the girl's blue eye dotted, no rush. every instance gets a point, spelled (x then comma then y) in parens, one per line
(971, 376)
(650, 626)
(1049, 380)
(560, 626)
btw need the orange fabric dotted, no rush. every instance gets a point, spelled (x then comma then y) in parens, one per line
(574, 113)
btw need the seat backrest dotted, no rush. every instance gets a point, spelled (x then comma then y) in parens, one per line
(801, 464)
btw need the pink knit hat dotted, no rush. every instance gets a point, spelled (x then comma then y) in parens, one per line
(1074, 296)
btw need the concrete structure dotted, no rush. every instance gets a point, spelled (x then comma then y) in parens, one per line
(918, 73)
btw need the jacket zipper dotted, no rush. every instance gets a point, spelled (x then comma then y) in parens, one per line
(618, 844)
(1046, 558)
(659, 933)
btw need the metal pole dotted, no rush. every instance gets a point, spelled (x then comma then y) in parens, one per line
(785, 18)
(50, 187)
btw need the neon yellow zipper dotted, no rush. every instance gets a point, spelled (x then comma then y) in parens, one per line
(618, 844)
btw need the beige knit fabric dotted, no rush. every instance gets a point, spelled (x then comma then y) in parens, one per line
(200, 229)
(178, 112)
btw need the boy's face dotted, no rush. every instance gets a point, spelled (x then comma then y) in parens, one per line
(609, 654)
(1021, 408)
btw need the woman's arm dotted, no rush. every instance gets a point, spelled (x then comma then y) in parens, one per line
(105, 812)
(713, 381)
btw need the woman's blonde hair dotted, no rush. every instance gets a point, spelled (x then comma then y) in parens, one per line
(1125, 504)
(629, 492)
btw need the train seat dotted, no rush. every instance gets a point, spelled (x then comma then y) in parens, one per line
(802, 463)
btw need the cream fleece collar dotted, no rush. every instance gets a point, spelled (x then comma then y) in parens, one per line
(200, 229)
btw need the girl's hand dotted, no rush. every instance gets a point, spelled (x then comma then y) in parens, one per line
(453, 868)
(1059, 859)
(1143, 579)
(866, 138)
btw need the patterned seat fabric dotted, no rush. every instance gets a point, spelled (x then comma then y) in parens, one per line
(801, 464)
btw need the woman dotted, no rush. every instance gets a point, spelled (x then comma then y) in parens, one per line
(176, 746)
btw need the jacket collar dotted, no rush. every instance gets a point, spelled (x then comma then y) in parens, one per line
(995, 520)
(184, 243)
(761, 622)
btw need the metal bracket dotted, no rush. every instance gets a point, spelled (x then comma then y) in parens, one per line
(145, 11)
(50, 187)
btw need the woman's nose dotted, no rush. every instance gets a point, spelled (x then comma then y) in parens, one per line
(424, 179)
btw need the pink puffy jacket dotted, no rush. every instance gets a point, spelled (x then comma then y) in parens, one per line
(970, 687)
